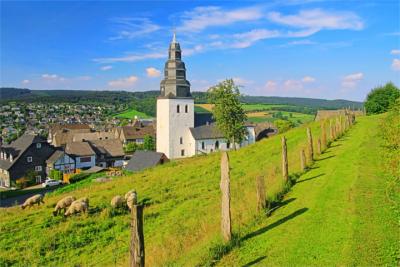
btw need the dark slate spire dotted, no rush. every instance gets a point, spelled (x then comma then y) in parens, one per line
(174, 84)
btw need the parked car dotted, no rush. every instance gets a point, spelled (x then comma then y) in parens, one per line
(51, 182)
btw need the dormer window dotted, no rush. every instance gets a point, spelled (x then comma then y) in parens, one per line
(38, 145)
(11, 158)
(177, 109)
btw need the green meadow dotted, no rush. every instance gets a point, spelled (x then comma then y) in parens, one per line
(131, 113)
(336, 213)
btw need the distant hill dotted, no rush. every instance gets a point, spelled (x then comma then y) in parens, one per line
(145, 101)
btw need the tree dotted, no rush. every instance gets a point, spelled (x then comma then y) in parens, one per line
(380, 99)
(283, 125)
(149, 143)
(228, 111)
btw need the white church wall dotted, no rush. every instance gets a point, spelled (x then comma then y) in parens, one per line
(173, 134)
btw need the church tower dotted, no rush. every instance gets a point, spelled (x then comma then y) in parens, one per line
(175, 108)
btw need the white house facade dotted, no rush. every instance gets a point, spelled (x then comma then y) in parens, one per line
(180, 131)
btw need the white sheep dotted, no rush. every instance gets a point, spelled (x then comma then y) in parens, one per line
(117, 202)
(131, 199)
(76, 207)
(84, 199)
(129, 193)
(63, 204)
(36, 199)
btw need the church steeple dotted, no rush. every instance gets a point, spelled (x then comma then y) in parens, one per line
(174, 84)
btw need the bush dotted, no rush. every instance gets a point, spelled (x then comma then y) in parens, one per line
(56, 175)
(283, 125)
(78, 177)
(380, 99)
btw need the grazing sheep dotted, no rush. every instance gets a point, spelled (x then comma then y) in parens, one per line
(117, 202)
(36, 199)
(129, 193)
(76, 207)
(84, 199)
(63, 204)
(131, 200)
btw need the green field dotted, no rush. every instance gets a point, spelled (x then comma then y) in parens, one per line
(326, 217)
(295, 117)
(131, 113)
(253, 107)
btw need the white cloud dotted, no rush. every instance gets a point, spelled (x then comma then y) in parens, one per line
(352, 80)
(301, 42)
(194, 50)
(130, 28)
(124, 82)
(271, 86)
(201, 18)
(292, 85)
(395, 52)
(308, 79)
(396, 64)
(107, 67)
(25, 81)
(246, 39)
(153, 72)
(241, 81)
(314, 20)
(130, 58)
(52, 77)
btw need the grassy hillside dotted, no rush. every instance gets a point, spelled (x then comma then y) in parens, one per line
(182, 224)
(338, 212)
(131, 113)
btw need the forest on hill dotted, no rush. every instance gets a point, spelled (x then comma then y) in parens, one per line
(146, 101)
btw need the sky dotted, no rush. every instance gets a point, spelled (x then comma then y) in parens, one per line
(298, 48)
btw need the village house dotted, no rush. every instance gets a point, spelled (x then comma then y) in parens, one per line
(61, 134)
(109, 153)
(145, 159)
(60, 161)
(135, 133)
(82, 153)
(26, 154)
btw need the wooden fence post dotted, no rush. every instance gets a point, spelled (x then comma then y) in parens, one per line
(285, 165)
(303, 160)
(323, 130)
(226, 227)
(319, 147)
(310, 144)
(261, 198)
(137, 237)
(332, 134)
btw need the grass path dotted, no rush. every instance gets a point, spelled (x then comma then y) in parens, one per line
(336, 214)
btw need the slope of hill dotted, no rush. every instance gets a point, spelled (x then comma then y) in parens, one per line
(339, 215)
(182, 217)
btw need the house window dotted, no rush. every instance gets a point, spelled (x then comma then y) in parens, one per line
(216, 145)
(186, 109)
(38, 168)
(29, 159)
(177, 109)
(38, 179)
(228, 145)
(183, 152)
(38, 145)
(181, 140)
(86, 159)
(203, 146)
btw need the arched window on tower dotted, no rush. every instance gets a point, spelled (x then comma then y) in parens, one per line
(177, 109)
(186, 108)
(181, 140)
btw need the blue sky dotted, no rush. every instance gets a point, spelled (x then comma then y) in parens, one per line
(321, 49)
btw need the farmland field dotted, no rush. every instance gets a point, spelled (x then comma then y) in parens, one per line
(131, 113)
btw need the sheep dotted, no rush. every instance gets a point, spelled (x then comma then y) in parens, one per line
(76, 207)
(131, 199)
(129, 193)
(36, 199)
(117, 202)
(84, 199)
(63, 204)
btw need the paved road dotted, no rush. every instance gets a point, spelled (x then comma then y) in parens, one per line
(18, 200)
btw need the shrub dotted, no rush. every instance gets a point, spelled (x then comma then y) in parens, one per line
(380, 99)
(78, 177)
(283, 125)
